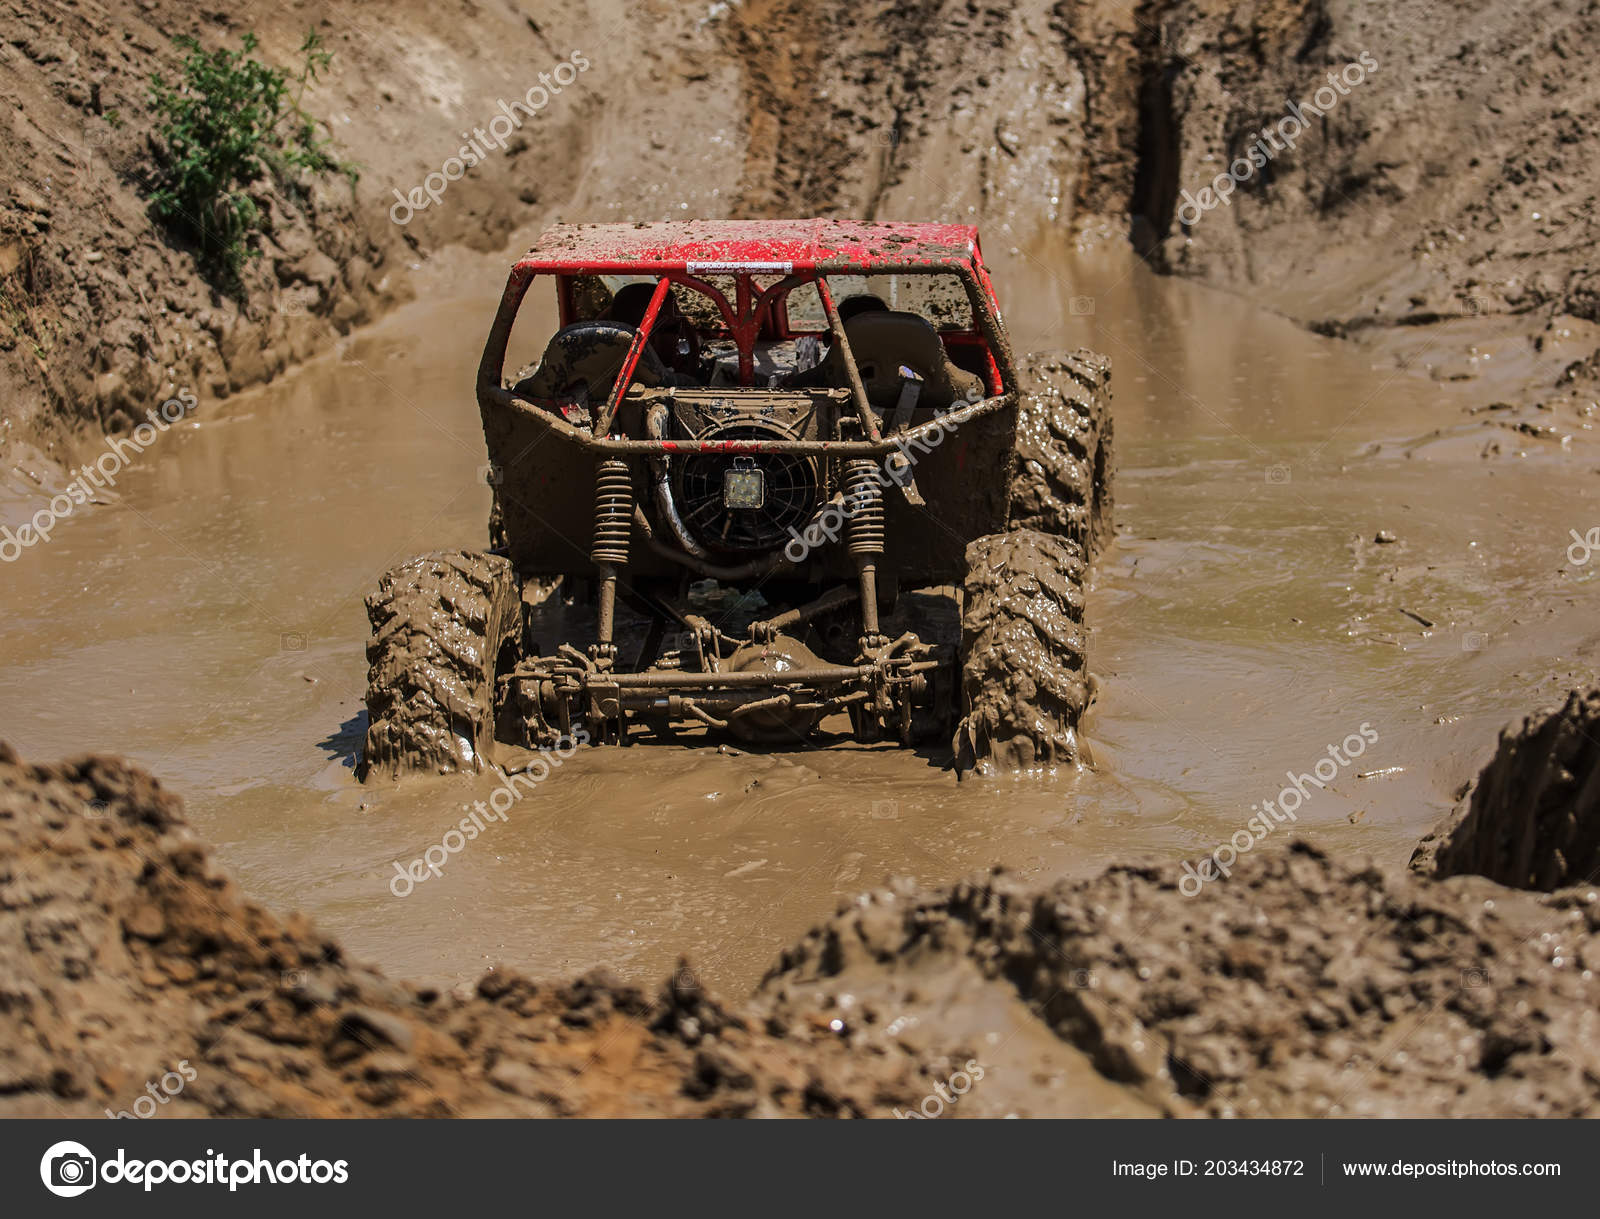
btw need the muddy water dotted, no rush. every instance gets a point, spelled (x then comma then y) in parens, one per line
(210, 626)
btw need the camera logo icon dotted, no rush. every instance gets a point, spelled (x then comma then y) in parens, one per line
(68, 1169)
(1278, 476)
(297, 302)
(1081, 306)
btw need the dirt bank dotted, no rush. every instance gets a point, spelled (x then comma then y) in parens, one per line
(1440, 208)
(1444, 177)
(105, 313)
(1301, 985)
(131, 958)
(1437, 201)
(1532, 820)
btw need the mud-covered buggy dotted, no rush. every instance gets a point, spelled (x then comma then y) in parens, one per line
(742, 443)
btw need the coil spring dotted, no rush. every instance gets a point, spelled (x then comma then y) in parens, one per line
(864, 500)
(613, 511)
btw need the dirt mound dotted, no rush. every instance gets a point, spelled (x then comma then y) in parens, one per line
(1532, 820)
(103, 313)
(106, 315)
(1302, 986)
(136, 979)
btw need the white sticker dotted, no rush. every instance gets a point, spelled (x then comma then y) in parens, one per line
(702, 268)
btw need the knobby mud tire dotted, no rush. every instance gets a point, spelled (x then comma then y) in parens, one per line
(442, 626)
(1065, 455)
(1023, 675)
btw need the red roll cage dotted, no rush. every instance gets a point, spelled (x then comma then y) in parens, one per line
(800, 251)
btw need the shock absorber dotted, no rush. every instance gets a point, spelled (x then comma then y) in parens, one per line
(864, 510)
(613, 530)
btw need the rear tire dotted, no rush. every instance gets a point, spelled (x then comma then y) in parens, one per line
(443, 625)
(1023, 674)
(1065, 458)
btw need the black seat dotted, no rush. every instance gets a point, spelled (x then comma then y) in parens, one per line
(883, 342)
(581, 363)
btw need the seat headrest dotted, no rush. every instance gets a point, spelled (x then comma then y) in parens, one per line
(884, 341)
(587, 356)
(910, 333)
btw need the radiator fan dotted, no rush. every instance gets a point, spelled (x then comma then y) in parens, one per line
(746, 503)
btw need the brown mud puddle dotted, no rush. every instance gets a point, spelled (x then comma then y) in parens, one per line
(210, 626)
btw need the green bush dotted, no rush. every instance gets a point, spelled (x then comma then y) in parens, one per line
(229, 123)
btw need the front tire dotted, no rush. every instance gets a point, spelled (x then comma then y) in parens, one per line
(443, 625)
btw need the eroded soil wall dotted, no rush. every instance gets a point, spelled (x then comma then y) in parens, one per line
(1532, 821)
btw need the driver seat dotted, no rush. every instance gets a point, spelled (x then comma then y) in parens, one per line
(883, 341)
(581, 363)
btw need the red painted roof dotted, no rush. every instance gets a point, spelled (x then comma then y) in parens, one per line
(705, 246)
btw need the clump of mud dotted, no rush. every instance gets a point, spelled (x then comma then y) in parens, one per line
(134, 975)
(1303, 986)
(1532, 820)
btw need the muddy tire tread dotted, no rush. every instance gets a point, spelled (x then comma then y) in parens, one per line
(1023, 676)
(1062, 482)
(439, 624)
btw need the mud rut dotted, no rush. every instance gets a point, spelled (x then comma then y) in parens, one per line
(1239, 624)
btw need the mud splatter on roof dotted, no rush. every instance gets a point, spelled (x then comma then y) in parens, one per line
(762, 245)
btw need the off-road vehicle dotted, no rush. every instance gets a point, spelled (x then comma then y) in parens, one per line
(743, 448)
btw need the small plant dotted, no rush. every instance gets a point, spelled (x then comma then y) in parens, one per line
(231, 122)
